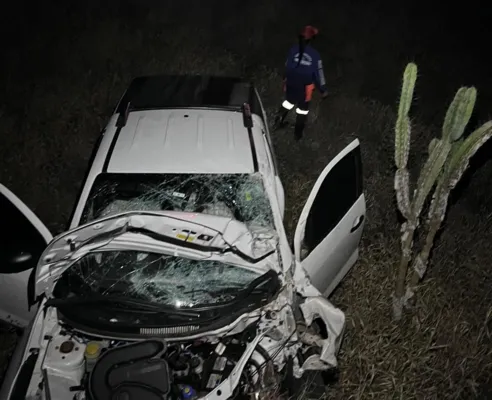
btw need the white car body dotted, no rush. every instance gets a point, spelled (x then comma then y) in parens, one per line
(168, 128)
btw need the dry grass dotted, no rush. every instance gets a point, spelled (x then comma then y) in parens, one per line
(62, 87)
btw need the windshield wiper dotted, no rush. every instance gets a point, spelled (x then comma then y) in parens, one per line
(254, 287)
(134, 304)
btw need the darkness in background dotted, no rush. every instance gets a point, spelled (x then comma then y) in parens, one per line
(372, 41)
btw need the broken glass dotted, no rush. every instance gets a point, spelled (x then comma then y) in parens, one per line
(239, 196)
(153, 277)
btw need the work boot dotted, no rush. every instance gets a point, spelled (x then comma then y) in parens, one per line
(299, 127)
(280, 118)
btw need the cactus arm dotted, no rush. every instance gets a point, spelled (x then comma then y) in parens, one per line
(459, 114)
(429, 174)
(402, 141)
(460, 158)
(457, 117)
(432, 144)
(402, 182)
(402, 189)
(408, 231)
(458, 162)
(402, 127)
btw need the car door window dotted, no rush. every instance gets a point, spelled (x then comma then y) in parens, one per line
(337, 194)
(22, 242)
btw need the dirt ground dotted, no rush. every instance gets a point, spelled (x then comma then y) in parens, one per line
(59, 87)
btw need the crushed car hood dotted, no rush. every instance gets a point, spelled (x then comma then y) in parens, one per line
(180, 233)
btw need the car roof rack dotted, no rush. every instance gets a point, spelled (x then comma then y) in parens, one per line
(247, 117)
(123, 117)
(248, 124)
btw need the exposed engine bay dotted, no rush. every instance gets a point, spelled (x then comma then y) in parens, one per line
(261, 358)
(79, 367)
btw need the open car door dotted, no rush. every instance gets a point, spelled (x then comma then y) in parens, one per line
(24, 239)
(329, 230)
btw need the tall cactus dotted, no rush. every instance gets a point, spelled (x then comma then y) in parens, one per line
(446, 161)
(402, 182)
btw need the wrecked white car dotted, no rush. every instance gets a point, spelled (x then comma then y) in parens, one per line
(175, 278)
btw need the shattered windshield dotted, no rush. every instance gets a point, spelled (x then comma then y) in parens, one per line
(239, 196)
(157, 278)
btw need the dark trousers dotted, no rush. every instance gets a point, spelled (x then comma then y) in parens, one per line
(300, 98)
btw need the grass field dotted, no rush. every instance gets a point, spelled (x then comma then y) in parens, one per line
(59, 87)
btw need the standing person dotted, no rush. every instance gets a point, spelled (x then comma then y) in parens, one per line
(303, 72)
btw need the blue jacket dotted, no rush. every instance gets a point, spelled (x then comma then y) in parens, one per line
(309, 70)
